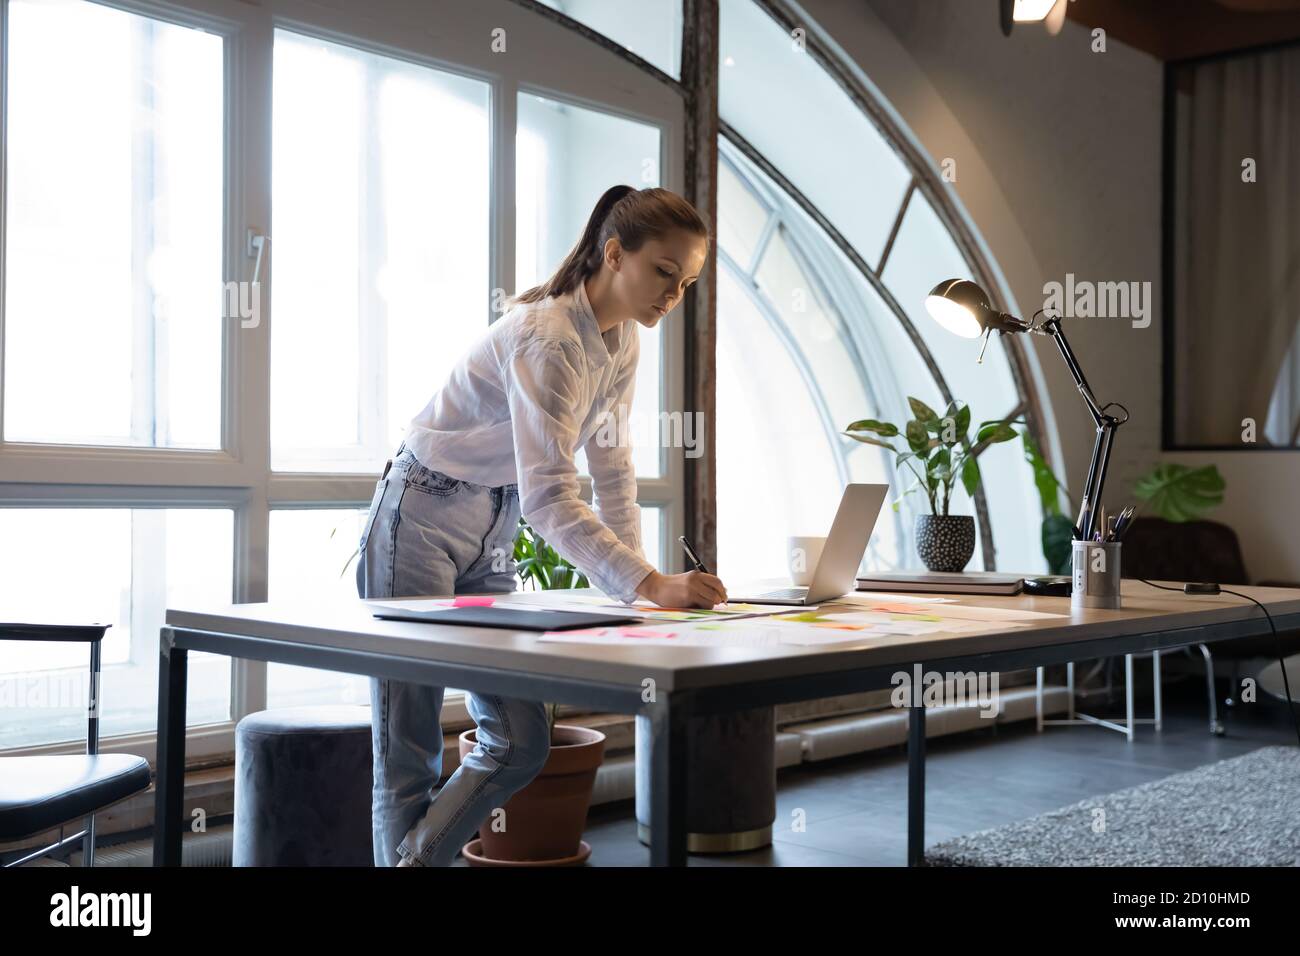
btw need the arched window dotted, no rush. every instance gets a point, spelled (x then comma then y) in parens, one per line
(828, 243)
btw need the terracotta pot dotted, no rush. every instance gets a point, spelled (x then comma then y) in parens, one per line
(545, 820)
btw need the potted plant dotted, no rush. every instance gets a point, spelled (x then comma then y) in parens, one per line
(542, 823)
(938, 453)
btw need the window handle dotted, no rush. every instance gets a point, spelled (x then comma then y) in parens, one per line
(255, 244)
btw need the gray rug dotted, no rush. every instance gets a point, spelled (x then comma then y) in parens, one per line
(1239, 812)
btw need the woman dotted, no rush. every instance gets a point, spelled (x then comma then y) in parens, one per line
(500, 437)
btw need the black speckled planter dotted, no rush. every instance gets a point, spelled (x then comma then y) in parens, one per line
(945, 542)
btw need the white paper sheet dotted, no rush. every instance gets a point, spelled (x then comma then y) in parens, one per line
(1002, 614)
(663, 635)
(875, 597)
(727, 611)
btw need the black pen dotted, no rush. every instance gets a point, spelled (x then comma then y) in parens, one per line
(690, 553)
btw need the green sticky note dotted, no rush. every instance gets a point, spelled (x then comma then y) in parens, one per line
(807, 617)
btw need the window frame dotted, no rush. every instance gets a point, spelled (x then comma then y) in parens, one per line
(547, 57)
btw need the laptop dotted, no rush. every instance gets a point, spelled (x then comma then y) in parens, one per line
(838, 565)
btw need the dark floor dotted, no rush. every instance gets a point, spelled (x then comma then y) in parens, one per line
(856, 807)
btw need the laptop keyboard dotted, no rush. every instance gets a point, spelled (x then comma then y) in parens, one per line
(785, 594)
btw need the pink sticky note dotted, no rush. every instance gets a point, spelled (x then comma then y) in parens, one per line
(472, 602)
(643, 632)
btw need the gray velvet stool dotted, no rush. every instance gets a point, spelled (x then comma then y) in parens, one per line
(302, 787)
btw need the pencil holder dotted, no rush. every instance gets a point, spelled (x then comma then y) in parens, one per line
(1096, 574)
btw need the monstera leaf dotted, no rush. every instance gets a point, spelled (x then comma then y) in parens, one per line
(1180, 493)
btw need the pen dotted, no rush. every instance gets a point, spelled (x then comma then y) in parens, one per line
(690, 553)
(1082, 523)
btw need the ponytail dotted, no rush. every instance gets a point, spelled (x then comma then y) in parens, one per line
(631, 215)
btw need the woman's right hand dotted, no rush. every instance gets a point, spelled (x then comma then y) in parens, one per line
(692, 589)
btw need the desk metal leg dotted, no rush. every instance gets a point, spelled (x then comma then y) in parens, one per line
(668, 720)
(1155, 690)
(92, 747)
(169, 784)
(1128, 696)
(1038, 702)
(916, 785)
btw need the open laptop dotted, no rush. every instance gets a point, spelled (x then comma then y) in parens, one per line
(837, 567)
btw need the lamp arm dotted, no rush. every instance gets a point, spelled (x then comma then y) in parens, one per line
(1053, 328)
(1106, 427)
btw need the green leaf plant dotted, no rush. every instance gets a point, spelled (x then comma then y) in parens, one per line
(1058, 529)
(1180, 493)
(936, 449)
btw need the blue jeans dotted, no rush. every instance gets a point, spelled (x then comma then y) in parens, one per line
(430, 534)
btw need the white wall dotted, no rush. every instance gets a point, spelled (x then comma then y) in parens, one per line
(1058, 153)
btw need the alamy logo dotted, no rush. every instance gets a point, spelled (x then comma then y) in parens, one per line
(243, 301)
(102, 909)
(955, 688)
(1103, 300)
(620, 428)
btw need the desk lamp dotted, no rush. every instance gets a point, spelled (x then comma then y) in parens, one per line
(963, 308)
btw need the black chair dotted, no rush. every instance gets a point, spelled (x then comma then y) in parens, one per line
(40, 793)
(1208, 551)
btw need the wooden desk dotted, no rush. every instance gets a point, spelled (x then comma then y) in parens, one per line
(669, 684)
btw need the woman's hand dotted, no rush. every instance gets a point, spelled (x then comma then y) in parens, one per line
(692, 589)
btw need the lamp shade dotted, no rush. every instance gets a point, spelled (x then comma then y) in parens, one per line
(1027, 11)
(961, 307)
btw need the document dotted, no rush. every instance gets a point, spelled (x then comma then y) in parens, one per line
(666, 635)
(870, 598)
(999, 614)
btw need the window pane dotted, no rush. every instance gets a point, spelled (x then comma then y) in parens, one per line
(767, 89)
(652, 29)
(814, 331)
(924, 254)
(832, 342)
(741, 217)
(566, 158)
(651, 534)
(380, 190)
(776, 460)
(113, 271)
(313, 557)
(119, 566)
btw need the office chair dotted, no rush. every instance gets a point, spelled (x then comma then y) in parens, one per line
(40, 793)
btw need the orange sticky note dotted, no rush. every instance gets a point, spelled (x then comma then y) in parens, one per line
(899, 608)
